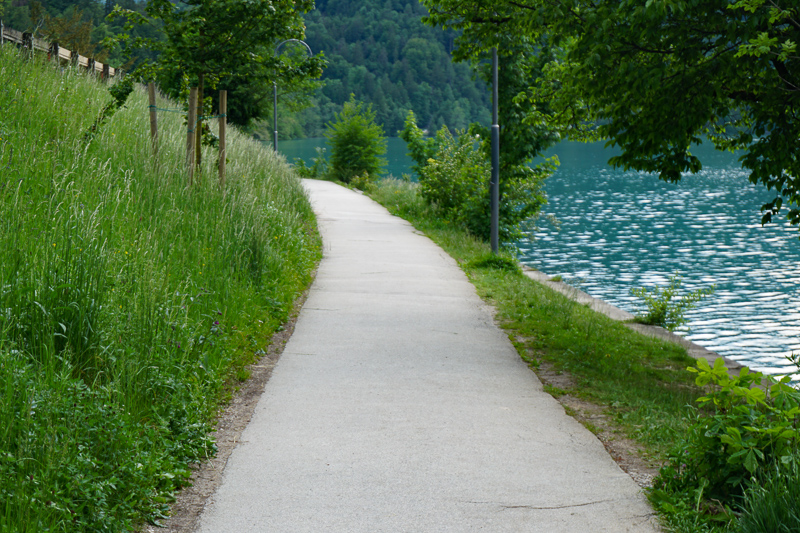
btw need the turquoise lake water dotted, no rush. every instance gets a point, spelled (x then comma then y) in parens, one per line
(618, 230)
(398, 162)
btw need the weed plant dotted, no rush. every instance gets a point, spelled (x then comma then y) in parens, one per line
(664, 308)
(127, 298)
(737, 454)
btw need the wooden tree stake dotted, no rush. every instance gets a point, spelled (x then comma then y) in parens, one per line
(191, 131)
(223, 122)
(151, 93)
(198, 155)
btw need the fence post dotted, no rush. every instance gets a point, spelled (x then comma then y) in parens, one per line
(151, 93)
(27, 43)
(223, 122)
(191, 127)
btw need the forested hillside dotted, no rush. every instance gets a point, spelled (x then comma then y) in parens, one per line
(380, 51)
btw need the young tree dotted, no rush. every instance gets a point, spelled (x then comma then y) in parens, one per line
(72, 32)
(357, 143)
(657, 76)
(227, 44)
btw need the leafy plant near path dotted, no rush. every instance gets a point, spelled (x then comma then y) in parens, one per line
(664, 308)
(743, 429)
(357, 144)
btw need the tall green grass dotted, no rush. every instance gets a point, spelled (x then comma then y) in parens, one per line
(127, 299)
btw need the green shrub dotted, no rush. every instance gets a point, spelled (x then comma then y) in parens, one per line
(456, 181)
(663, 308)
(357, 143)
(454, 175)
(747, 425)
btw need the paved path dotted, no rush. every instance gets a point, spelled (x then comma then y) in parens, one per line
(398, 406)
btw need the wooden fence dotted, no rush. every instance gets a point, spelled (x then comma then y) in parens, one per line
(55, 52)
(64, 56)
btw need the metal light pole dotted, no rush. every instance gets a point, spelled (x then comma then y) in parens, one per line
(275, 90)
(495, 183)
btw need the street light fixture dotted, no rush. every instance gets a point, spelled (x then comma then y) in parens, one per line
(275, 90)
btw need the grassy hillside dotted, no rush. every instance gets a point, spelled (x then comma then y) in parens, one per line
(127, 299)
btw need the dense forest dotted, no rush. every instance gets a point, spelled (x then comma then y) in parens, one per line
(76, 25)
(378, 50)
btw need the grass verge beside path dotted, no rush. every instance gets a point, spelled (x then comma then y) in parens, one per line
(130, 303)
(639, 382)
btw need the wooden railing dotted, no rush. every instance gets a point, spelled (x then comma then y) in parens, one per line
(54, 52)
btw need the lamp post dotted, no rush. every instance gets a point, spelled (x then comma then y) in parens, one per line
(494, 185)
(275, 90)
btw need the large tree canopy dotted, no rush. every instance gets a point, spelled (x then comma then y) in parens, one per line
(658, 76)
(231, 43)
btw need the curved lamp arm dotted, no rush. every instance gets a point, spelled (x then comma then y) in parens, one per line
(275, 90)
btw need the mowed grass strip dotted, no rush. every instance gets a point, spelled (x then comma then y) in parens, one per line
(129, 302)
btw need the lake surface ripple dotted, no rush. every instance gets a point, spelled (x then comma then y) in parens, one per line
(619, 230)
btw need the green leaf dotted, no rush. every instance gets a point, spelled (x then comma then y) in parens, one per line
(751, 463)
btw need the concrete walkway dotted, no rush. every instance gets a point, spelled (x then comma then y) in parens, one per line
(398, 406)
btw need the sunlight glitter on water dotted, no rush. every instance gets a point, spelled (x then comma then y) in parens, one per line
(620, 230)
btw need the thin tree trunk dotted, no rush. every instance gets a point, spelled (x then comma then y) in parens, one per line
(190, 133)
(151, 93)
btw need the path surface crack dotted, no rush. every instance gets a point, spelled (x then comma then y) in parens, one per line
(554, 507)
(548, 508)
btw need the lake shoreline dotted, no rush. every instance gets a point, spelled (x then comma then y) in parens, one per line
(615, 313)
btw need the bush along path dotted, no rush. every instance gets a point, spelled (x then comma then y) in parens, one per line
(726, 438)
(129, 303)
